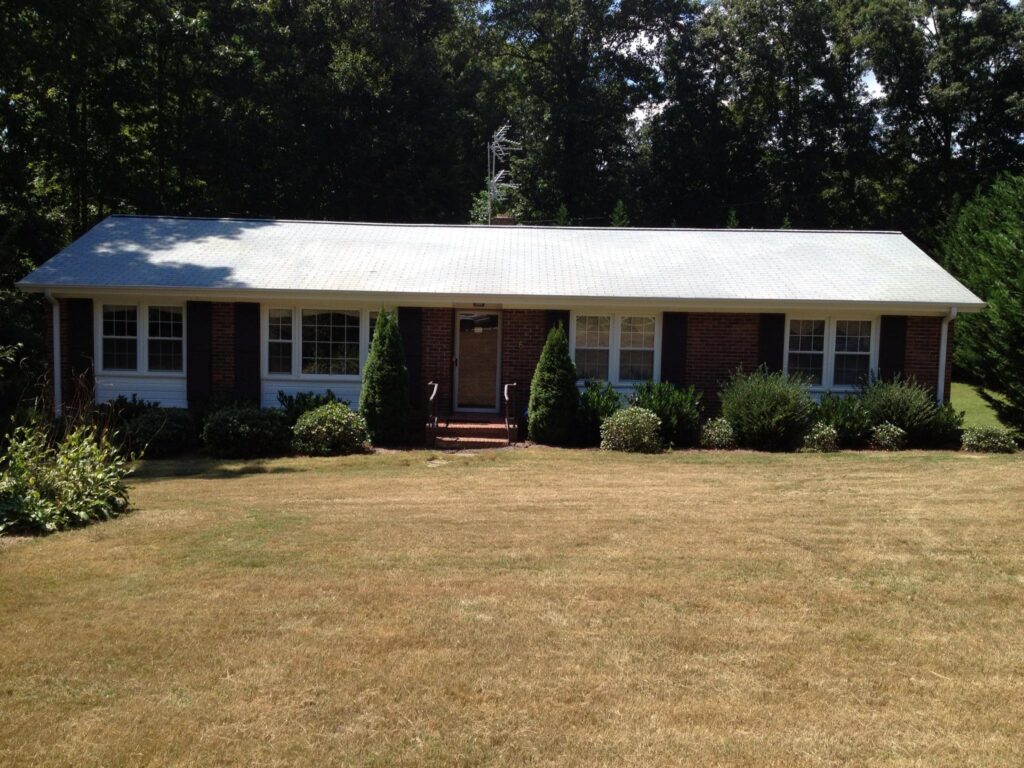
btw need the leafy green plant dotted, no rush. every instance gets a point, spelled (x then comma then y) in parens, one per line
(679, 411)
(330, 430)
(905, 403)
(848, 417)
(633, 429)
(768, 411)
(301, 402)
(598, 401)
(159, 433)
(988, 440)
(554, 399)
(947, 428)
(717, 435)
(243, 432)
(888, 437)
(46, 486)
(822, 438)
(384, 399)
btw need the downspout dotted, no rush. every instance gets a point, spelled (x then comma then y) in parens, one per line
(58, 399)
(940, 390)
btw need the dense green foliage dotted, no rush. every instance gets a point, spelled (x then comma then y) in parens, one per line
(554, 399)
(678, 409)
(632, 429)
(986, 251)
(911, 407)
(717, 435)
(48, 485)
(160, 433)
(301, 402)
(384, 399)
(888, 437)
(244, 432)
(768, 411)
(598, 401)
(848, 416)
(330, 430)
(988, 440)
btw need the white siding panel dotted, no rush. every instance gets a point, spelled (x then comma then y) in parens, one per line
(343, 390)
(169, 391)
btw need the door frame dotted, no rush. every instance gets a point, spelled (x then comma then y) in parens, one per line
(458, 356)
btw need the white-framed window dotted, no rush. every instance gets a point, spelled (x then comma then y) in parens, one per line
(279, 341)
(313, 341)
(832, 352)
(141, 338)
(621, 348)
(330, 342)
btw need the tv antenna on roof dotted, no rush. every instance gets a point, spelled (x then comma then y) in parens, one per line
(500, 147)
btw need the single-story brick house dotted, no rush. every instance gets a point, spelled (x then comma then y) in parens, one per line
(179, 310)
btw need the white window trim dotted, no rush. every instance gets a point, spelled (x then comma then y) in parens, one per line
(829, 363)
(615, 341)
(296, 310)
(141, 338)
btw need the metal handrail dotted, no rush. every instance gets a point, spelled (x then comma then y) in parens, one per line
(431, 425)
(511, 415)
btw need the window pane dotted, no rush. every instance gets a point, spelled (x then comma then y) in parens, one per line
(851, 369)
(592, 363)
(807, 364)
(636, 364)
(806, 335)
(637, 333)
(120, 320)
(280, 328)
(593, 331)
(330, 342)
(165, 323)
(165, 354)
(119, 354)
(279, 357)
(853, 336)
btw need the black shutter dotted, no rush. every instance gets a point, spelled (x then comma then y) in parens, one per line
(673, 347)
(410, 328)
(247, 351)
(892, 346)
(198, 351)
(772, 341)
(555, 316)
(80, 373)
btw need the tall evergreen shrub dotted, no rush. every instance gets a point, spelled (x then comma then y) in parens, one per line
(384, 400)
(554, 398)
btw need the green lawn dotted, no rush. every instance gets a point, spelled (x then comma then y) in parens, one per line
(528, 607)
(978, 412)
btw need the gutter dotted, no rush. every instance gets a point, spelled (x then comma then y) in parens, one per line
(940, 389)
(58, 399)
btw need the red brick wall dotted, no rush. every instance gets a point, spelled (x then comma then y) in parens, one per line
(222, 330)
(523, 332)
(716, 345)
(921, 357)
(438, 339)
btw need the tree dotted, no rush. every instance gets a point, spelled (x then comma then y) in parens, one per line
(619, 216)
(554, 398)
(986, 251)
(384, 400)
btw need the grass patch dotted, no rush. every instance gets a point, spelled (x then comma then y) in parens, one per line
(527, 607)
(976, 403)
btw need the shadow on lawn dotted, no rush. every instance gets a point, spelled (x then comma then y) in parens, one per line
(206, 468)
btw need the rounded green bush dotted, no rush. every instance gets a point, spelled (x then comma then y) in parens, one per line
(633, 429)
(888, 437)
(678, 408)
(244, 432)
(823, 438)
(160, 433)
(330, 430)
(717, 435)
(988, 440)
(848, 416)
(768, 411)
(909, 406)
(598, 401)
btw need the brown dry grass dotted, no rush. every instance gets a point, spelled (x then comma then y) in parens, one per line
(534, 607)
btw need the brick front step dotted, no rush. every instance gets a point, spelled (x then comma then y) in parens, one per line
(465, 443)
(472, 434)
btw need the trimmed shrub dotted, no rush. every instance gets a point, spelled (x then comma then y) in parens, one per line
(823, 438)
(554, 399)
(633, 429)
(888, 437)
(46, 487)
(598, 401)
(244, 432)
(160, 433)
(947, 428)
(848, 417)
(718, 435)
(988, 440)
(330, 430)
(384, 400)
(904, 403)
(678, 409)
(301, 402)
(768, 411)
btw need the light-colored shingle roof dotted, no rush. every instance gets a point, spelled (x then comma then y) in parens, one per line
(502, 262)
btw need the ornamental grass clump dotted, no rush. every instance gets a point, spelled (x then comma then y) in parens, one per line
(717, 435)
(768, 411)
(678, 408)
(633, 430)
(331, 430)
(988, 440)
